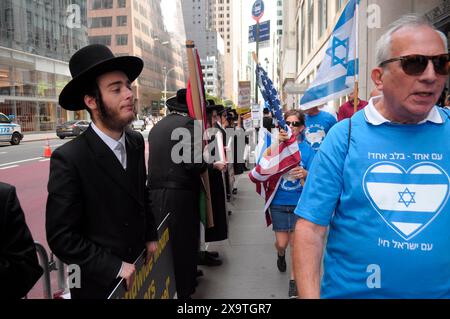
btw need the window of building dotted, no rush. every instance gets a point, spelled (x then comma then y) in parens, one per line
(339, 4)
(101, 22)
(104, 39)
(121, 3)
(303, 34)
(102, 4)
(122, 21)
(122, 39)
(310, 25)
(137, 24)
(323, 21)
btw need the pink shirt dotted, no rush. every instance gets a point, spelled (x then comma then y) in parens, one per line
(347, 110)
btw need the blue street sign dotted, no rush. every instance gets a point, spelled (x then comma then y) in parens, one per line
(264, 32)
(258, 10)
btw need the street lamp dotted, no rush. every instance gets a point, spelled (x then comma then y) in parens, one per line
(166, 73)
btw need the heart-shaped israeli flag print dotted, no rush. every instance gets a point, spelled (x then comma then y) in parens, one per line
(408, 201)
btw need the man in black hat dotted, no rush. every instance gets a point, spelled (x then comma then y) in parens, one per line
(98, 209)
(174, 167)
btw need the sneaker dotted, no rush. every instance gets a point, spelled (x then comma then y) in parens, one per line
(281, 263)
(292, 289)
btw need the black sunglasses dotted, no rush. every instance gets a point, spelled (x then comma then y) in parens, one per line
(294, 124)
(416, 64)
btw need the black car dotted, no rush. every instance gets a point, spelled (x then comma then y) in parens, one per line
(71, 128)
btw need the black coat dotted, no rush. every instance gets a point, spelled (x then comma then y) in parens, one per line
(175, 186)
(218, 197)
(19, 266)
(98, 214)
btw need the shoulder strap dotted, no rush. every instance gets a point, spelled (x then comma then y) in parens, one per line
(349, 133)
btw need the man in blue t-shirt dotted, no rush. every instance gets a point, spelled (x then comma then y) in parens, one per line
(318, 123)
(381, 183)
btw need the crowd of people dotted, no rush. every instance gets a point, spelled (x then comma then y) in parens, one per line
(365, 212)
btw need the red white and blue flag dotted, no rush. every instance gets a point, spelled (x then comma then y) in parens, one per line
(273, 160)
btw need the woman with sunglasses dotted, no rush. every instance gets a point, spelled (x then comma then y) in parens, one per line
(288, 194)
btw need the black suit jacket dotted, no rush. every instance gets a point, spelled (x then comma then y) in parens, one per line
(98, 214)
(19, 266)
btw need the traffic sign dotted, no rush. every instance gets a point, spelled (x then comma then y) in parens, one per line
(258, 10)
(264, 32)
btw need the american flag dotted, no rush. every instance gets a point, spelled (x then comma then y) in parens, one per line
(274, 160)
(270, 96)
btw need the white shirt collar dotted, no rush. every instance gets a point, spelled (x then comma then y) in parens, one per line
(375, 118)
(112, 143)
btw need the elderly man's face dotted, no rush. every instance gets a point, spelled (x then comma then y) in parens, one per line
(409, 98)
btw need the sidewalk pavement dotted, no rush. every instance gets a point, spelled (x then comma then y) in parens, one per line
(33, 137)
(249, 269)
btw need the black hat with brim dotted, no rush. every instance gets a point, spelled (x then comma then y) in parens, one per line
(178, 103)
(212, 106)
(86, 65)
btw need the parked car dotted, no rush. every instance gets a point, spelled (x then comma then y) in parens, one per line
(71, 128)
(9, 131)
(138, 125)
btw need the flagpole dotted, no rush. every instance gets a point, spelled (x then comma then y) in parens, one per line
(196, 100)
(356, 92)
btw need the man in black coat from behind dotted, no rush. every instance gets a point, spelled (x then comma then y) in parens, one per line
(19, 266)
(174, 168)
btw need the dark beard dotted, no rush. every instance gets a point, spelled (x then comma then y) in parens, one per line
(108, 118)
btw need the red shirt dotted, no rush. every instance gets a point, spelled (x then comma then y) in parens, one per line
(347, 110)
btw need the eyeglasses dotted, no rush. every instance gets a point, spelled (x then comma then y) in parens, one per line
(416, 64)
(294, 124)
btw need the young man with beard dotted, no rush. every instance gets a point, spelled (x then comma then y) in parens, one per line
(98, 207)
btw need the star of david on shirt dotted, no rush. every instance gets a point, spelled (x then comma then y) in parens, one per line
(332, 52)
(407, 197)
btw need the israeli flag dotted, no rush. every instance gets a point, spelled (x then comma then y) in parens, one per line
(336, 75)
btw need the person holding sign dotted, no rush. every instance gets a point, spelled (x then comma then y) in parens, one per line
(98, 208)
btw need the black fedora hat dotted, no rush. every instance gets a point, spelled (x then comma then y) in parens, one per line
(89, 63)
(212, 106)
(178, 102)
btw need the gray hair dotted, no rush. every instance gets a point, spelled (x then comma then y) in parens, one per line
(384, 44)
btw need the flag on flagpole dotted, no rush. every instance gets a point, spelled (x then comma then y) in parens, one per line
(273, 160)
(336, 75)
(196, 100)
(273, 163)
(270, 96)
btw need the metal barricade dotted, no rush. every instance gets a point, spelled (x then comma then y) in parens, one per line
(49, 265)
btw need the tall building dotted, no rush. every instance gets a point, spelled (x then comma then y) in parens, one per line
(37, 39)
(212, 77)
(225, 19)
(208, 41)
(314, 22)
(137, 27)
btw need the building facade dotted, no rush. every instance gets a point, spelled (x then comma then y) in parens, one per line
(225, 19)
(137, 27)
(208, 42)
(37, 39)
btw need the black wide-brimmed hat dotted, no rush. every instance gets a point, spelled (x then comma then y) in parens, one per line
(178, 103)
(212, 106)
(89, 63)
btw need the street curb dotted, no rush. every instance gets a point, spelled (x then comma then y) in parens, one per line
(39, 140)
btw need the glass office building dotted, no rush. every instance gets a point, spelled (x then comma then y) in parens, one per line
(37, 39)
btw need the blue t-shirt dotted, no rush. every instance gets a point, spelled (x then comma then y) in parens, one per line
(386, 202)
(289, 191)
(317, 127)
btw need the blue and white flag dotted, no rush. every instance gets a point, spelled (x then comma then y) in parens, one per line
(336, 75)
